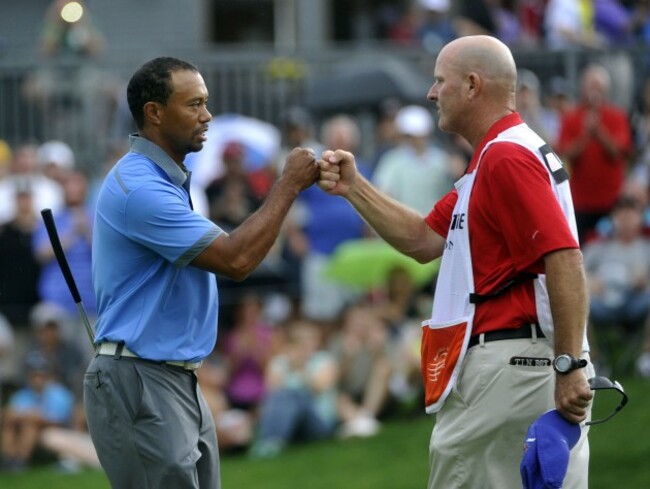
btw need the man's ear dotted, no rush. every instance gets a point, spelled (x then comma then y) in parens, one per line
(474, 83)
(153, 113)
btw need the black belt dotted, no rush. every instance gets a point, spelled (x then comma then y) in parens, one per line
(519, 333)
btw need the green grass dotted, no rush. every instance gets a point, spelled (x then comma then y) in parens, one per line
(397, 458)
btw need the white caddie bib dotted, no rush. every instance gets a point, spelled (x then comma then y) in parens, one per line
(445, 336)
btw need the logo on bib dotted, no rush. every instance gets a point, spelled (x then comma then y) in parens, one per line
(457, 221)
(437, 365)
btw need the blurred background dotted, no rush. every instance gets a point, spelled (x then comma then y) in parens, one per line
(260, 56)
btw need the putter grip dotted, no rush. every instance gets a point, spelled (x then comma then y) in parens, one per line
(48, 219)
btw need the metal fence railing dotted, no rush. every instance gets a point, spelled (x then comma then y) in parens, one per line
(83, 104)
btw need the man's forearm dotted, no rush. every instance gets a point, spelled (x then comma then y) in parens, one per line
(398, 225)
(254, 238)
(567, 290)
(238, 254)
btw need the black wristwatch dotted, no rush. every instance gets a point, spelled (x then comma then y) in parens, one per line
(565, 363)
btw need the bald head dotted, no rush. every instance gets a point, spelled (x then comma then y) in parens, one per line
(342, 132)
(595, 85)
(488, 57)
(476, 78)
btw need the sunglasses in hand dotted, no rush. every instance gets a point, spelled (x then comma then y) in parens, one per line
(603, 383)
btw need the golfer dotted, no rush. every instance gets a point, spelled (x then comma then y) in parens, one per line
(510, 300)
(154, 261)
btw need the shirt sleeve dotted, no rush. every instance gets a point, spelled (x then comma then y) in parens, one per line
(440, 216)
(160, 219)
(523, 204)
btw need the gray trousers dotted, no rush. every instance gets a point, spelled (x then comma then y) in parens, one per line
(151, 425)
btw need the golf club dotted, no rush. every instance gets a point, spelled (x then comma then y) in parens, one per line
(48, 219)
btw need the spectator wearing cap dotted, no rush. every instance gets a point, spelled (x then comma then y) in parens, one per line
(417, 172)
(40, 403)
(51, 333)
(56, 159)
(26, 172)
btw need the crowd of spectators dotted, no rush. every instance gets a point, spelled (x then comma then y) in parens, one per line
(552, 24)
(301, 357)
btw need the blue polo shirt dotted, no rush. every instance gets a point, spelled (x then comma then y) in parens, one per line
(145, 234)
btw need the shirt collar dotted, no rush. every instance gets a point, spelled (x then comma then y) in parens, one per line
(155, 153)
(497, 128)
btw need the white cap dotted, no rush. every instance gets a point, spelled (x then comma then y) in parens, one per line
(437, 5)
(45, 313)
(414, 120)
(56, 152)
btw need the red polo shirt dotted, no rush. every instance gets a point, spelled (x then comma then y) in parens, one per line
(514, 220)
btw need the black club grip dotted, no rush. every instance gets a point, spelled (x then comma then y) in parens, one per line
(48, 219)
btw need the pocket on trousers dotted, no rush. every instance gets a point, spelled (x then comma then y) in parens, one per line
(109, 392)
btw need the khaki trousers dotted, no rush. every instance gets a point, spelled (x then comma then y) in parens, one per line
(479, 435)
